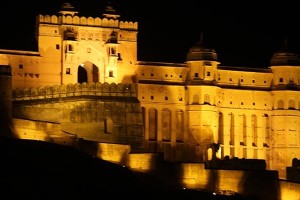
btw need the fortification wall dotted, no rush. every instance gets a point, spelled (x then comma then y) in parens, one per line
(117, 153)
(289, 190)
(97, 112)
(151, 167)
(43, 131)
(77, 89)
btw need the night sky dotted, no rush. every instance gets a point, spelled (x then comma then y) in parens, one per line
(244, 34)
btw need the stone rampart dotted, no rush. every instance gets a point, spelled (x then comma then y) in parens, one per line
(153, 170)
(84, 89)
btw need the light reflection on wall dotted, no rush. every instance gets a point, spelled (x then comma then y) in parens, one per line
(113, 152)
(289, 190)
(142, 162)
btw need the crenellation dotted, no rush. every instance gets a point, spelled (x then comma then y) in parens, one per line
(76, 20)
(250, 112)
(54, 19)
(113, 89)
(129, 25)
(49, 91)
(83, 21)
(68, 19)
(47, 19)
(104, 22)
(88, 21)
(77, 89)
(84, 88)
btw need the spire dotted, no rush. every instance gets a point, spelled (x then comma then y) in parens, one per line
(285, 44)
(285, 41)
(201, 38)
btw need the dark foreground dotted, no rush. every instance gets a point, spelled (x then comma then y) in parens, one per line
(40, 170)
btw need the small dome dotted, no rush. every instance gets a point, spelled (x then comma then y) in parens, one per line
(67, 7)
(200, 52)
(281, 58)
(110, 12)
(285, 57)
(109, 9)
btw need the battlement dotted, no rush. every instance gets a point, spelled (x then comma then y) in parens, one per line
(77, 89)
(87, 21)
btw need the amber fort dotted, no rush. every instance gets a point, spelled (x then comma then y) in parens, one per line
(85, 85)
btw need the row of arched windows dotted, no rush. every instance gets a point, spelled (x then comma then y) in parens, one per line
(242, 134)
(166, 124)
(291, 105)
(197, 101)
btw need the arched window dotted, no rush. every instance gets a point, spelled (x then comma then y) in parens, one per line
(267, 131)
(195, 99)
(254, 130)
(152, 124)
(243, 125)
(231, 118)
(291, 104)
(70, 47)
(280, 104)
(179, 123)
(108, 125)
(221, 129)
(166, 124)
(206, 99)
(231, 132)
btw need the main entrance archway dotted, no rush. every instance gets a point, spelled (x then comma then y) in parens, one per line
(88, 72)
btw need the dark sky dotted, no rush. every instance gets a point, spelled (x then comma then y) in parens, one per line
(245, 33)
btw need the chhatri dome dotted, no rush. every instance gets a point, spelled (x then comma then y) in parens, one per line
(200, 52)
(67, 9)
(285, 57)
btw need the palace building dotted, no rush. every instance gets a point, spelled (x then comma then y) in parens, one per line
(179, 109)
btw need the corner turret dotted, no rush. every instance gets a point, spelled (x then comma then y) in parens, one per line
(285, 65)
(202, 62)
(285, 57)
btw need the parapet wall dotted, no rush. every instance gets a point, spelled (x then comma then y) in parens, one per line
(84, 89)
(153, 170)
(43, 131)
(87, 21)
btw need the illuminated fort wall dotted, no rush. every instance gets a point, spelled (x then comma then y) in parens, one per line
(94, 111)
(105, 48)
(258, 184)
(42, 131)
(252, 113)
